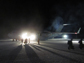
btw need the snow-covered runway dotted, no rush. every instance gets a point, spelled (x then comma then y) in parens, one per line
(49, 51)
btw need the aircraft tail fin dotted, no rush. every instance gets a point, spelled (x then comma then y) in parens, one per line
(78, 30)
(60, 28)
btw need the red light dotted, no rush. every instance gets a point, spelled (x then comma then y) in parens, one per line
(75, 32)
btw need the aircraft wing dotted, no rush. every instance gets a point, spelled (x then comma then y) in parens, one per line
(55, 34)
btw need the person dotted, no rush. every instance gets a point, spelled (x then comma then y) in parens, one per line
(81, 44)
(70, 44)
(16, 39)
(38, 41)
(13, 39)
(21, 40)
(26, 40)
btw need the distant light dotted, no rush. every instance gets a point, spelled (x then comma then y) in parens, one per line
(66, 24)
(27, 36)
(24, 35)
(75, 32)
(65, 36)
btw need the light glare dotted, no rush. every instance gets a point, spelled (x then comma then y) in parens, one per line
(65, 36)
(32, 37)
(24, 36)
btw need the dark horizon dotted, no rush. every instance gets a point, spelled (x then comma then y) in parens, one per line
(38, 15)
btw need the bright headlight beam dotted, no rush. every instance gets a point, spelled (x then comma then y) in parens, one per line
(32, 37)
(24, 36)
(65, 36)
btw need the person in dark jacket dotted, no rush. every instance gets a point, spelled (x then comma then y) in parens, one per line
(13, 39)
(16, 39)
(70, 44)
(38, 41)
(21, 40)
(25, 40)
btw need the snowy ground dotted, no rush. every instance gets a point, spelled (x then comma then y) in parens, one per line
(49, 51)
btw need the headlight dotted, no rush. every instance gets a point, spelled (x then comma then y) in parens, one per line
(24, 36)
(65, 36)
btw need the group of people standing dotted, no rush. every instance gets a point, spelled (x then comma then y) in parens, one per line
(25, 40)
(14, 39)
(28, 40)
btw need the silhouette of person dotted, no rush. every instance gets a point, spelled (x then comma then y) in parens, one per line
(21, 40)
(38, 41)
(70, 44)
(16, 39)
(13, 39)
(26, 40)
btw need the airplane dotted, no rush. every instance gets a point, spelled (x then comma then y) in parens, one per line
(74, 33)
(62, 32)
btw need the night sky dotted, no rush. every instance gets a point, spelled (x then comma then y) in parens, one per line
(36, 16)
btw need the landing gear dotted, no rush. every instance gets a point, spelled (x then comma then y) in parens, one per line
(70, 44)
(81, 45)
